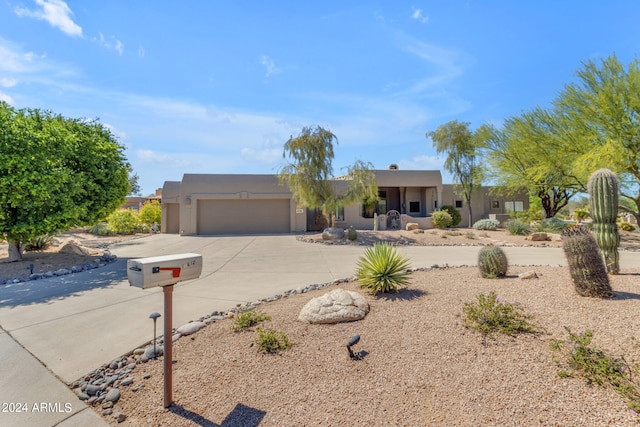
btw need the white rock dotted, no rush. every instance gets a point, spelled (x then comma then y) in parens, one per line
(528, 275)
(336, 306)
(190, 328)
(412, 226)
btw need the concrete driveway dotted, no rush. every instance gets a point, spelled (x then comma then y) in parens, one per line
(73, 324)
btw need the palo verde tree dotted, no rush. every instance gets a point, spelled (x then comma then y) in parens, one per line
(462, 148)
(526, 154)
(603, 109)
(55, 173)
(309, 173)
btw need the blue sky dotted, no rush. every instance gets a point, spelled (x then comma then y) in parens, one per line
(219, 86)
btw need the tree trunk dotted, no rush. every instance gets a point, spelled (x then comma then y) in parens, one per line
(15, 250)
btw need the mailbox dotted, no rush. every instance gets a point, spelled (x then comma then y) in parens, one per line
(163, 270)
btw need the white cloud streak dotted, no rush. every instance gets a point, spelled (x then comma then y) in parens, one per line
(270, 66)
(418, 16)
(56, 12)
(111, 43)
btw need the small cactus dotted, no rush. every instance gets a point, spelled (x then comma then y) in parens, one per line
(587, 270)
(492, 262)
(603, 190)
(352, 234)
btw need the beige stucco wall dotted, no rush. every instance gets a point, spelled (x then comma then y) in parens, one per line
(481, 203)
(195, 187)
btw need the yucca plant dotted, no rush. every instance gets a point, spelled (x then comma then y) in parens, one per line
(39, 243)
(382, 269)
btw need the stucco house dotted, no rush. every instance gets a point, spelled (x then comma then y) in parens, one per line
(210, 204)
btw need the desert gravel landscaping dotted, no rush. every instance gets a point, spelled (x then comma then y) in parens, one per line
(421, 367)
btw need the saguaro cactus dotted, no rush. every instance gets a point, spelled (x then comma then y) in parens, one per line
(603, 202)
(587, 270)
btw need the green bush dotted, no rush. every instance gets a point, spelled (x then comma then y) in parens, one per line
(441, 219)
(518, 227)
(39, 243)
(581, 214)
(270, 341)
(489, 316)
(247, 318)
(626, 226)
(123, 221)
(150, 213)
(455, 215)
(382, 269)
(101, 230)
(552, 225)
(492, 262)
(486, 224)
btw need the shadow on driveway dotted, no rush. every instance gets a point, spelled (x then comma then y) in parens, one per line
(61, 287)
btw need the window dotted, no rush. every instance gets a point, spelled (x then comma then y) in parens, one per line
(515, 206)
(340, 214)
(495, 204)
(414, 207)
(435, 204)
(458, 203)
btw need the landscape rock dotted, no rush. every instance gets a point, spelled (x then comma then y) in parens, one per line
(190, 328)
(112, 395)
(148, 352)
(336, 306)
(73, 247)
(412, 226)
(92, 389)
(120, 417)
(333, 233)
(528, 275)
(538, 237)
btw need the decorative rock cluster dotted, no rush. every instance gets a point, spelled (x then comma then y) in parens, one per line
(104, 259)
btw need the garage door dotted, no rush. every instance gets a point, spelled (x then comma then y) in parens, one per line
(243, 216)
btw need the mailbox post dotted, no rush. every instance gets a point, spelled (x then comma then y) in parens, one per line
(165, 271)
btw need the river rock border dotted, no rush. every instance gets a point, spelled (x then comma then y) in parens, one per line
(104, 259)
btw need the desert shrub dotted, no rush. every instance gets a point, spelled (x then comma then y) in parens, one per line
(486, 224)
(593, 364)
(452, 233)
(626, 226)
(528, 216)
(150, 213)
(101, 230)
(352, 234)
(492, 262)
(470, 235)
(552, 225)
(518, 227)
(581, 214)
(247, 318)
(382, 269)
(490, 316)
(441, 219)
(270, 341)
(123, 221)
(455, 215)
(39, 243)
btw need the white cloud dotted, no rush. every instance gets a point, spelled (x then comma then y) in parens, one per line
(141, 52)
(270, 66)
(418, 16)
(56, 13)
(7, 82)
(6, 98)
(111, 43)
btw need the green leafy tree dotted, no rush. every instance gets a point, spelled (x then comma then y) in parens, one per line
(603, 109)
(309, 174)
(526, 154)
(462, 148)
(55, 173)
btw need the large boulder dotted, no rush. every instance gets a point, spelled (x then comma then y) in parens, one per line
(412, 226)
(336, 306)
(333, 233)
(538, 237)
(73, 247)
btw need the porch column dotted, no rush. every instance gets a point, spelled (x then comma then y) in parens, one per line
(439, 195)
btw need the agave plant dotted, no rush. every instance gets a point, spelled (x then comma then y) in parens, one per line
(382, 269)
